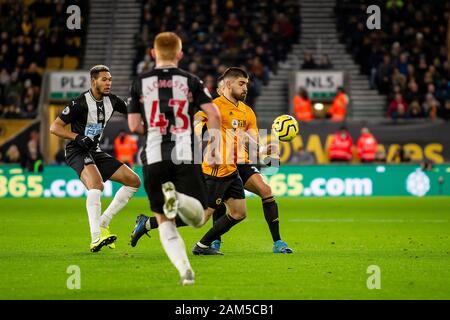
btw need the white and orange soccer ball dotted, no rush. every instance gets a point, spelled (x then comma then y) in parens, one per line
(285, 127)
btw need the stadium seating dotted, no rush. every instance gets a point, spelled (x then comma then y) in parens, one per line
(54, 63)
(408, 51)
(34, 37)
(218, 34)
(42, 23)
(70, 63)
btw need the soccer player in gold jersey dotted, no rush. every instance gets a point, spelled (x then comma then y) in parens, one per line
(253, 181)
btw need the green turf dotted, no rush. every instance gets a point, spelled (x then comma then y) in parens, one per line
(335, 240)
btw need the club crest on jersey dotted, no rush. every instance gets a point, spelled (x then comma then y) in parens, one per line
(66, 111)
(234, 123)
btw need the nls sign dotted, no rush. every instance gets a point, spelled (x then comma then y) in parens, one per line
(320, 84)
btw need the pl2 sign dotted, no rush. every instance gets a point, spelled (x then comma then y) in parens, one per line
(68, 85)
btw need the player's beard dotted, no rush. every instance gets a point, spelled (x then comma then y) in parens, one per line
(239, 97)
(101, 91)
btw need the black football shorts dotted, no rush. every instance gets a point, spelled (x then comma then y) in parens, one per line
(246, 170)
(77, 158)
(221, 189)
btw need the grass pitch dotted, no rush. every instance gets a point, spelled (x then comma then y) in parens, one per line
(334, 243)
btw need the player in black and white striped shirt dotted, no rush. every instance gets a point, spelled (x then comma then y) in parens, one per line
(162, 108)
(88, 115)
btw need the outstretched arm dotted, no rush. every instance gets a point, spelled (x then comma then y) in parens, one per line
(57, 128)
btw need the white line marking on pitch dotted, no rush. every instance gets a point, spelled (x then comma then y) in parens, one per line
(372, 220)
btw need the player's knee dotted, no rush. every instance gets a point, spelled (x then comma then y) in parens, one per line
(238, 214)
(92, 182)
(135, 181)
(97, 185)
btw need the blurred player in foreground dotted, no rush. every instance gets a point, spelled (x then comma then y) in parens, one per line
(162, 108)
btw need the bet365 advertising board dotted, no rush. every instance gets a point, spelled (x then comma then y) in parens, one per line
(286, 181)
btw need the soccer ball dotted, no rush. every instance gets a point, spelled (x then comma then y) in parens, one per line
(285, 127)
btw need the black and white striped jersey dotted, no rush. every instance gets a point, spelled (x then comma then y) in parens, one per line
(167, 99)
(89, 117)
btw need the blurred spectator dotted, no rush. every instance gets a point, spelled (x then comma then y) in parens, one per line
(210, 84)
(384, 74)
(325, 62)
(426, 166)
(308, 61)
(33, 157)
(302, 106)
(401, 155)
(341, 146)
(411, 72)
(431, 106)
(366, 146)
(402, 65)
(396, 90)
(415, 110)
(30, 102)
(259, 70)
(338, 109)
(398, 108)
(444, 111)
(12, 155)
(443, 90)
(380, 156)
(398, 79)
(302, 156)
(145, 65)
(125, 148)
(60, 157)
(412, 92)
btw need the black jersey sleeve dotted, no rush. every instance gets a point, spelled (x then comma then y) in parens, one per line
(119, 105)
(134, 104)
(200, 93)
(71, 112)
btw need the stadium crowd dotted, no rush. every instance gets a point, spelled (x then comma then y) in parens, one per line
(28, 155)
(407, 59)
(32, 32)
(217, 34)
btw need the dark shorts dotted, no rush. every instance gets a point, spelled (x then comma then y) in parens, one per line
(77, 158)
(246, 171)
(187, 178)
(222, 189)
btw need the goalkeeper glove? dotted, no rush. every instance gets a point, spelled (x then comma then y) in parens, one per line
(84, 141)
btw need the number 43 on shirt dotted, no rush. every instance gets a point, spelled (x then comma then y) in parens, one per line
(181, 117)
